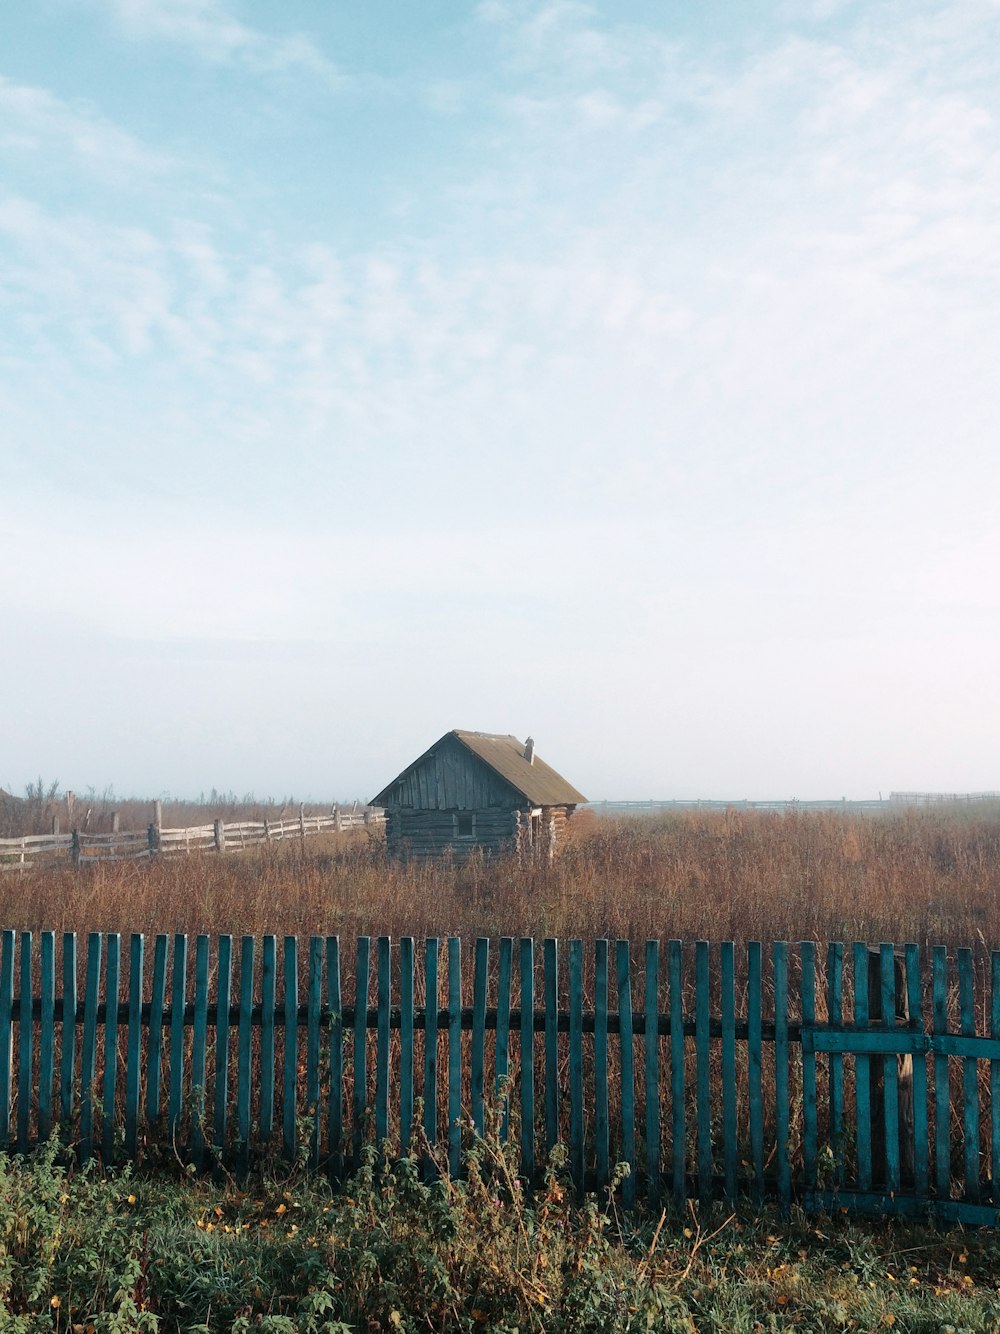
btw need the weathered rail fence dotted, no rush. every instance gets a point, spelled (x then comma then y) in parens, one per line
(714, 1072)
(82, 848)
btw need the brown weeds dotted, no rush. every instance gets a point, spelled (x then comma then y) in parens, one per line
(929, 877)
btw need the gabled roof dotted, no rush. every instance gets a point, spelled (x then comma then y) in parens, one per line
(536, 781)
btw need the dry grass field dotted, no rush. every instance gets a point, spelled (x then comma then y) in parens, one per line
(930, 876)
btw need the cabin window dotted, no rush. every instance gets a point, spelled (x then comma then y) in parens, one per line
(465, 824)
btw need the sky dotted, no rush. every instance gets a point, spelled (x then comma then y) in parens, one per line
(625, 374)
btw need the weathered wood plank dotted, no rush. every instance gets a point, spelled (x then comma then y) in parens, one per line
(626, 1038)
(454, 1055)
(480, 980)
(527, 1042)
(601, 1123)
(406, 1041)
(133, 1066)
(754, 1067)
(46, 1034)
(335, 1103)
(703, 1071)
(652, 1070)
(678, 1120)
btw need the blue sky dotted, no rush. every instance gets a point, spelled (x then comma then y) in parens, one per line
(625, 374)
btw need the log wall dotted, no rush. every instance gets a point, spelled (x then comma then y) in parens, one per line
(421, 834)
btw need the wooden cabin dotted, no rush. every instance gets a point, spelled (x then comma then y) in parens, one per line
(477, 790)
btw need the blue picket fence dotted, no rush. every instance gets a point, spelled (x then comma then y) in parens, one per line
(715, 1072)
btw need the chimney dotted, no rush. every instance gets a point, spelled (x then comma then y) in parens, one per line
(529, 750)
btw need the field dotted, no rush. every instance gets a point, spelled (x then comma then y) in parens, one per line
(165, 1251)
(923, 876)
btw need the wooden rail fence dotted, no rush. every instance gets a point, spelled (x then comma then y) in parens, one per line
(82, 848)
(714, 1072)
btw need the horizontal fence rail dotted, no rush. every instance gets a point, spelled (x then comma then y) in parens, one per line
(847, 1077)
(81, 848)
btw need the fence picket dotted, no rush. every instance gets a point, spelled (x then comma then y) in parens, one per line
(383, 980)
(47, 1034)
(290, 1061)
(480, 980)
(862, 1076)
(133, 1068)
(782, 1119)
(890, 1069)
(502, 1048)
(25, 1033)
(970, 1082)
(651, 1044)
(754, 1067)
(406, 1041)
(942, 1090)
(112, 983)
(454, 1054)
(678, 1120)
(807, 952)
(835, 1067)
(362, 981)
(915, 1006)
(335, 1104)
(268, 988)
(67, 1053)
(314, 1014)
(244, 1055)
(550, 967)
(199, 1044)
(703, 1071)
(432, 950)
(154, 1043)
(995, 1077)
(624, 970)
(178, 1001)
(601, 1127)
(6, 1032)
(223, 996)
(727, 1001)
(527, 1043)
(88, 1071)
(576, 1122)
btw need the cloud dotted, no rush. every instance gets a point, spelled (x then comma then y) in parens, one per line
(773, 257)
(211, 32)
(34, 123)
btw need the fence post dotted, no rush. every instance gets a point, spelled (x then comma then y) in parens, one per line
(75, 848)
(302, 825)
(153, 839)
(115, 821)
(55, 824)
(336, 819)
(876, 1075)
(220, 836)
(158, 815)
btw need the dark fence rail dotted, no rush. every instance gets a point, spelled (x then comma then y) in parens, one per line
(791, 1073)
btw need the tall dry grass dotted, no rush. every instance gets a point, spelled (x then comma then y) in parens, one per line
(928, 876)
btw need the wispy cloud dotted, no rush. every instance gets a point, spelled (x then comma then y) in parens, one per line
(35, 123)
(211, 31)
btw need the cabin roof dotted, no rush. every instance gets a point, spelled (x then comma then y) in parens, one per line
(536, 781)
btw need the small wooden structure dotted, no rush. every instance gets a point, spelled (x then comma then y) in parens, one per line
(477, 790)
